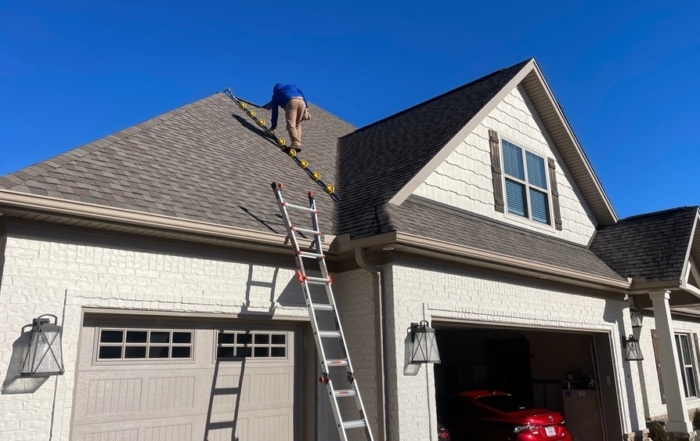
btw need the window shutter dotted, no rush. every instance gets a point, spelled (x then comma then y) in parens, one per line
(555, 193)
(655, 343)
(496, 171)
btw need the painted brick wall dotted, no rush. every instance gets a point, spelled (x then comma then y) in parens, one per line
(464, 179)
(456, 294)
(38, 276)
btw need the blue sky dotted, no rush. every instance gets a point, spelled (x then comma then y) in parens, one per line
(626, 75)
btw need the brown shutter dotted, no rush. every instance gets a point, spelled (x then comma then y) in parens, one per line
(655, 343)
(496, 171)
(555, 192)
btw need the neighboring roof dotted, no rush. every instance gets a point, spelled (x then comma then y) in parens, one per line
(384, 162)
(449, 224)
(206, 161)
(649, 247)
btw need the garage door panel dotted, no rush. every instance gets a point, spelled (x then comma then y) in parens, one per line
(195, 399)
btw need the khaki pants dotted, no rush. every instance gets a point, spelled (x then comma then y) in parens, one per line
(294, 111)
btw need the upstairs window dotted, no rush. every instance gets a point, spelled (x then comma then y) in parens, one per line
(527, 194)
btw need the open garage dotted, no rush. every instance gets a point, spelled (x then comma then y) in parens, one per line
(562, 370)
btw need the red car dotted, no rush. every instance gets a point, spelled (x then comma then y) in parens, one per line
(486, 415)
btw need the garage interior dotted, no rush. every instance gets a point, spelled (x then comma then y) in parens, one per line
(565, 371)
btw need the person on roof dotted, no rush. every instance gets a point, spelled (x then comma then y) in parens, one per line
(292, 99)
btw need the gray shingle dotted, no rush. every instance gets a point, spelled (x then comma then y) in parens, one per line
(650, 246)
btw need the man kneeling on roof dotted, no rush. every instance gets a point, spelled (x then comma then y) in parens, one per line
(292, 99)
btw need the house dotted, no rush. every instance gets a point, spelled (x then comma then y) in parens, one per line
(161, 252)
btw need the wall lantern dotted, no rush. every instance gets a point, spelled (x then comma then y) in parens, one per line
(423, 344)
(44, 356)
(632, 350)
(636, 317)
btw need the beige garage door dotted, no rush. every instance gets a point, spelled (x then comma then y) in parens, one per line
(156, 379)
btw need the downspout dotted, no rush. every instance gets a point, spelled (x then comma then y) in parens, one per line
(379, 345)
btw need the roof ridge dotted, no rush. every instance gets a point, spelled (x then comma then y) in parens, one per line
(61, 159)
(435, 98)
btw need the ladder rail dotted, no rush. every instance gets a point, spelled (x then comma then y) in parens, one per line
(322, 335)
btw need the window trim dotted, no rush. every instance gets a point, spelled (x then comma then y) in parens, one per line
(678, 337)
(147, 344)
(270, 345)
(505, 177)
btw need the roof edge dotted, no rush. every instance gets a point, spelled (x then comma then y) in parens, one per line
(33, 203)
(453, 143)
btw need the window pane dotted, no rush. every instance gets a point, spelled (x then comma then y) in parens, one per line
(278, 339)
(135, 352)
(685, 348)
(158, 352)
(182, 337)
(692, 389)
(515, 195)
(181, 352)
(245, 338)
(226, 339)
(262, 338)
(513, 160)
(160, 337)
(110, 352)
(535, 171)
(262, 352)
(136, 336)
(243, 352)
(540, 207)
(225, 352)
(278, 352)
(111, 336)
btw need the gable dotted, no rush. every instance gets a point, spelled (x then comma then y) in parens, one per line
(464, 178)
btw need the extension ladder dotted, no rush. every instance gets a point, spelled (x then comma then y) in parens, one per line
(303, 163)
(325, 322)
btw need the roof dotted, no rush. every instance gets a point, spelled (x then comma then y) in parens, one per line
(479, 232)
(650, 247)
(378, 160)
(206, 161)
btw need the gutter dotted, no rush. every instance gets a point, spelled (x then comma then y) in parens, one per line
(44, 204)
(380, 337)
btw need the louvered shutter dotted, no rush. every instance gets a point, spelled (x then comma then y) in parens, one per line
(496, 173)
(655, 344)
(555, 193)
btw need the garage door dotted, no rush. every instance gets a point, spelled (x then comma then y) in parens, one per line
(155, 379)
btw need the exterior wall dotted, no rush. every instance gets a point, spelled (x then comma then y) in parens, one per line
(440, 292)
(463, 180)
(654, 408)
(40, 275)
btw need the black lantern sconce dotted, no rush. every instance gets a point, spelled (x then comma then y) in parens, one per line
(636, 317)
(633, 352)
(423, 344)
(44, 355)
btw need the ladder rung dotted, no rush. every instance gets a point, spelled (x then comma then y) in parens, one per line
(345, 393)
(323, 307)
(305, 230)
(298, 207)
(316, 280)
(337, 362)
(357, 424)
(329, 334)
(310, 254)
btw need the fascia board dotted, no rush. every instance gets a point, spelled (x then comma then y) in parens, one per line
(450, 147)
(95, 212)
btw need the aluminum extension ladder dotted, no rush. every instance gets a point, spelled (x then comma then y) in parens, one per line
(332, 350)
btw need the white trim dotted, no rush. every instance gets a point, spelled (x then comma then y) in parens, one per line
(456, 140)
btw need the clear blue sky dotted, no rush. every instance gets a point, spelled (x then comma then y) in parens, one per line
(625, 73)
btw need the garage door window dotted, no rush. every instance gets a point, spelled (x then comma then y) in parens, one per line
(251, 344)
(144, 344)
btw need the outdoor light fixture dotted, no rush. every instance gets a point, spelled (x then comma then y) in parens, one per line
(44, 356)
(636, 316)
(423, 345)
(632, 350)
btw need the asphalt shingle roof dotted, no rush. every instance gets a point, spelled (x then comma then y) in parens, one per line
(650, 246)
(380, 159)
(207, 161)
(417, 214)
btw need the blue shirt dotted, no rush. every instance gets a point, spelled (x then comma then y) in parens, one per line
(281, 94)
